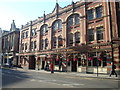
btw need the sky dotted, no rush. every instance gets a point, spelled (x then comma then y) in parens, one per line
(23, 11)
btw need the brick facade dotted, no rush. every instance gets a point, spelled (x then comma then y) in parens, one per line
(83, 35)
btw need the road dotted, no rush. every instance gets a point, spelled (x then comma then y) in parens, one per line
(27, 79)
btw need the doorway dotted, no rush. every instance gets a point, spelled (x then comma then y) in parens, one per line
(32, 62)
(43, 64)
(74, 66)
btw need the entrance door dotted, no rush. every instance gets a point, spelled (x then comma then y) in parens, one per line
(32, 62)
(74, 66)
(43, 64)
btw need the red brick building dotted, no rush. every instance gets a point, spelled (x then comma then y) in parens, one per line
(79, 37)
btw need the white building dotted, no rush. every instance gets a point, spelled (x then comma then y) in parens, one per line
(0, 45)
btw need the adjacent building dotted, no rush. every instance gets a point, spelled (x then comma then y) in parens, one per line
(81, 37)
(0, 45)
(10, 45)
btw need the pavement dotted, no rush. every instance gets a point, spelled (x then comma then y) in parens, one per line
(76, 74)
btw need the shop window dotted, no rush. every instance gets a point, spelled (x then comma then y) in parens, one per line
(68, 63)
(56, 62)
(89, 63)
(83, 62)
(77, 37)
(90, 14)
(94, 61)
(91, 35)
(79, 62)
(98, 12)
(99, 33)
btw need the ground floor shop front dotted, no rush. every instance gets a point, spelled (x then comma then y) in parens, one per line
(9, 59)
(74, 59)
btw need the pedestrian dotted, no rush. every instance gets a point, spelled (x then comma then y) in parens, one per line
(60, 64)
(38, 63)
(52, 67)
(47, 67)
(113, 72)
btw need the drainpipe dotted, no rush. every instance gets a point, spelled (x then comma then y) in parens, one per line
(111, 30)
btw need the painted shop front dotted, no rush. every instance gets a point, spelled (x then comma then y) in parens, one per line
(77, 59)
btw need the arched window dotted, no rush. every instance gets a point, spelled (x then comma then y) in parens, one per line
(77, 37)
(57, 25)
(71, 39)
(46, 43)
(60, 41)
(54, 42)
(73, 20)
(44, 29)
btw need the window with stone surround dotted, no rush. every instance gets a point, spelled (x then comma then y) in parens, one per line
(44, 29)
(42, 44)
(98, 11)
(100, 32)
(57, 25)
(70, 39)
(35, 46)
(54, 42)
(34, 32)
(22, 46)
(26, 46)
(31, 44)
(46, 43)
(26, 34)
(77, 37)
(74, 19)
(23, 35)
(90, 14)
(60, 41)
(91, 34)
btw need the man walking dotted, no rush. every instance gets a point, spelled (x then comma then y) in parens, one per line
(113, 70)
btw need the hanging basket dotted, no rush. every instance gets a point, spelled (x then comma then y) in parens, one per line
(75, 59)
(100, 59)
(89, 58)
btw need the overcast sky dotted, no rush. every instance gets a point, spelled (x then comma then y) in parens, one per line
(23, 11)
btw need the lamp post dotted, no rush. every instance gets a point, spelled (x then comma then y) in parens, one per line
(97, 63)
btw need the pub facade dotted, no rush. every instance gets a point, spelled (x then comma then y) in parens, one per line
(81, 37)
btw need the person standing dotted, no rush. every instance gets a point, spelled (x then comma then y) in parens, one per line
(38, 63)
(52, 67)
(113, 72)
